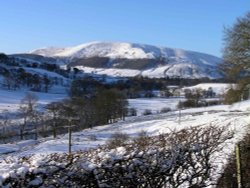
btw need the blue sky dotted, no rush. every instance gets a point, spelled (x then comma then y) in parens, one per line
(188, 24)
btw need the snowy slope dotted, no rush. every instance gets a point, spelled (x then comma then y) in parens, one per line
(153, 125)
(218, 88)
(167, 61)
(10, 100)
(183, 70)
(102, 49)
(236, 121)
(126, 50)
(236, 116)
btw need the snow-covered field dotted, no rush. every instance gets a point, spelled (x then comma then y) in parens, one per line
(218, 88)
(236, 117)
(153, 104)
(10, 100)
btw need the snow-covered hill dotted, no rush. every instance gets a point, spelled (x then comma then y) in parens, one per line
(101, 49)
(147, 60)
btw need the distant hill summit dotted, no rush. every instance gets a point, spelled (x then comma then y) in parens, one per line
(130, 59)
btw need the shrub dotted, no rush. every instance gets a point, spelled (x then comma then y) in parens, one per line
(187, 104)
(178, 159)
(232, 96)
(201, 103)
(213, 102)
(131, 112)
(147, 112)
(92, 137)
(142, 141)
(117, 139)
(165, 110)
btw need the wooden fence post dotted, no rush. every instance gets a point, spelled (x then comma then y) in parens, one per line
(238, 165)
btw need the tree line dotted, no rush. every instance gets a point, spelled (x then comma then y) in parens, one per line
(99, 107)
(15, 76)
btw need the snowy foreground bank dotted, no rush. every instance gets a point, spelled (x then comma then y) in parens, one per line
(236, 117)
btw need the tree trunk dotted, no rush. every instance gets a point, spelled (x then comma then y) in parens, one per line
(21, 133)
(70, 140)
(54, 129)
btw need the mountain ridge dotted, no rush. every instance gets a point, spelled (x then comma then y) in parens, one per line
(162, 61)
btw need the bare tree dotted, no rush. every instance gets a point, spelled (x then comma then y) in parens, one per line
(237, 48)
(54, 109)
(236, 64)
(27, 110)
(5, 121)
(8, 82)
